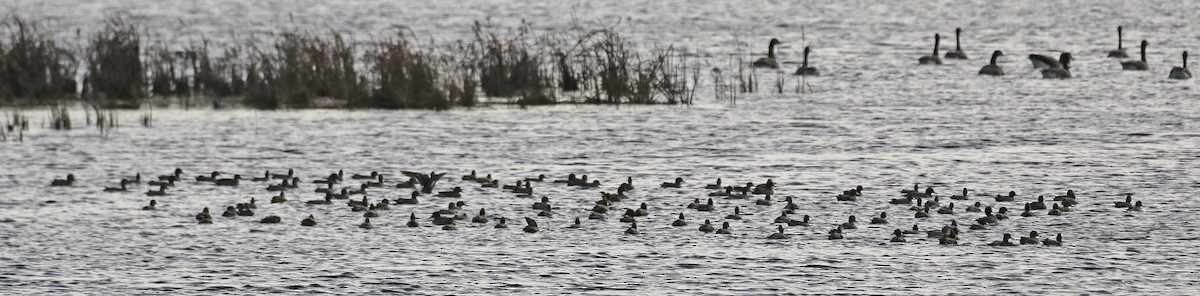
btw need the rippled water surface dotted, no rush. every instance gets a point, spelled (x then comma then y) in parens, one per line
(875, 119)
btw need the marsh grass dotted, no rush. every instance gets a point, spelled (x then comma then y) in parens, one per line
(33, 67)
(115, 76)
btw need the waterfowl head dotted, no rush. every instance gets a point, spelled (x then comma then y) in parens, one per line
(1138, 204)
(987, 210)
(957, 32)
(771, 47)
(503, 220)
(1033, 234)
(1007, 237)
(643, 206)
(1185, 59)
(155, 203)
(737, 210)
(805, 220)
(883, 215)
(1119, 37)
(937, 41)
(460, 205)
(1065, 59)
(680, 216)
(915, 228)
(852, 219)
(725, 225)
(1003, 210)
(897, 233)
(710, 202)
(1144, 44)
(482, 212)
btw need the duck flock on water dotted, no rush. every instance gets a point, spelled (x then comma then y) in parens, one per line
(1051, 68)
(717, 197)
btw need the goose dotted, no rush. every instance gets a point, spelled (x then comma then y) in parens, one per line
(992, 69)
(1060, 72)
(707, 227)
(641, 211)
(724, 229)
(1120, 51)
(153, 205)
(204, 217)
(427, 181)
(737, 214)
(805, 69)
(451, 226)
(1137, 65)
(310, 221)
(914, 230)
(438, 219)
(802, 222)
(327, 200)
(928, 193)
(708, 207)
(882, 219)
(266, 177)
(378, 182)
(628, 185)
(957, 53)
(412, 220)
(481, 218)
(118, 189)
(1136, 207)
(503, 223)
(456, 192)
(362, 189)
(779, 234)
(576, 225)
(898, 236)
(975, 207)
(1181, 72)
(718, 184)
(229, 181)
(766, 201)
(210, 178)
(411, 183)
(373, 175)
(769, 61)
(1125, 204)
(290, 174)
(1032, 239)
(1028, 211)
(783, 218)
(1055, 211)
(1012, 196)
(677, 184)
(69, 181)
(850, 224)
(170, 182)
(1057, 241)
(162, 191)
(409, 201)
(632, 230)
(679, 222)
(1045, 62)
(540, 178)
(1003, 242)
(946, 210)
(933, 59)
(174, 176)
(366, 224)
(835, 233)
(272, 219)
(530, 226)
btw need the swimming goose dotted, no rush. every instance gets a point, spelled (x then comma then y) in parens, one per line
(450, 226)
(278, 198)
(933, 59)
(272, 219)
(769, 61)
(69, 181)
(411, 183)
(882, 219)
(724, 228)
(1057, 241)
(266, 177)
(632, 230)
(779, 234)
(427, 181)
(628, 185)
(1125, 204)
(366, 223)
(153, 205)
(992, 69)
(802, 222)
(851, 224)
(456, 192)
(707, 227)
(409, 201)
(1055, 211)
(946, 210)
(503, 223)
(481, 218)
(327, 200)
(718, 184)
(310, 221)
(783, 218)
(679, 222)
(118, 189)
(694, 204)
(229, 181)
(412, 220)
(530, 226)
(469, 177)
(210, 178)
(544, 204)
(708, 207)
(362, 189)
(378, 182)
(373, 175)
(169, 182)
(641, 211)
(1028, 211)
(1012, 196)
(438, 219)
(677, 184)
(898, 236)
(957, 53)
(540, 178)
(174, 176)
(914, 230)
(1002, 214)
(1003, 242)
(835, 233)
(988, 217)
(1120, 51)
(1137, 65)
(1181, 72)
(204, 217)
(162, 191)
(1060, 72)
(928, 193)
(977, 207)
(1032, 239)
(948, 236)
(576, 225)
(737, 214)
(805, 69)
(290, 174)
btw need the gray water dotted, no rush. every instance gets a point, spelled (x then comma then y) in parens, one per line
(875, 119)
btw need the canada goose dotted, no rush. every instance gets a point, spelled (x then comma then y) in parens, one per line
(1181, 72)
(779, 234)
(632, 230)
(1003, 242)
(957, 53)
(229, 181)
(118, 189)
(915, 230)
(266, 177)
(835, 233)
(409, 201)
(450, 226)
(850, 224)
(1045, 62)
(707, 207)
(679, 222)
(718, 184)
(1120, 51)
(677, 184)
(162, 191)
(366, 224)
(290, 174)
(272, 219)
(991, 69)
(946, 210)
(69, 181)
(327, 200)
(882, 219)
(210, 178)
(802, 222)
(737, 214)
(204, 217)
(1125, 204)
(898, 236)
(724, 228)
(804, 69)
(769, 61)
(707, 227)
(1032, 239)
(933, 59)
(1057, 241)
(1136, 207)
(1012, 196)
(278, 198)
(1137, 65)
(530, 226)
(503, 223)
(1060, 72)
(481, 218)
(456, 192)
(310, 221)
(576, 225)
(153, 205)
(641, 211)
(427, 181)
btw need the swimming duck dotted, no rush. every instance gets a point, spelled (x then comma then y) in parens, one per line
(373, 175)
(851, 224)
(540, 178)
(1060, 72)
(1002, 213)
(118, 189)
(1055, 211)
(438, 219)
(1137, 65)
(69, 181)
(975, 207)
(743, 194)
(576, 225)
(166, 183)
(153, 205)
(802, 222)
(266, 177)
(764, 188)
(1120, 51)
(957, 53)
(344, 194)
(362, 190)
(836, 233)
(409, 201)
(411, 183)
(632, 230)
(919, 206)
(328, 188)
(1032, 239)
(1012, 196)
(766, 201)
(272, 219)
(1125, 204)
(427, 181)
(1057, 241)
(898, 236)
(493, 184)
(914, 230)
(229, 212)
(366, 223)
(457, 192)
(679, 222)
(503, 223)
(928, 193)
(946, 210)
(988, 217)
(450, 226)
(530, 226)
(1028, 211)
(783, 218)
(641, 211)
(545, 213)
(291, 174)
(1181, 72)
(708, 207)
(923, 212)
(628, 217)
(204, 216)
(570, 181)
(779, 234)
(677, 184)
(933, 59)
(162, 191)
(137, 178)
(1003, 242)
(331, 179)
(724, 229)
(174, 176)
(481, 218)
(695, 204)
(882, 219)
(310, 221)
(707, 227)
(278, 198)
(1040, 204)
(628, 185)
(902, 201)
(718, 184)
(383, 205)
(470, 176)
(542, 205)
(378, 182)
(412, 220)
(805, 69)
(210, 178)
(327, 200)
(964, 196)
(933, 203)
(252, 204)
(1137, 207)
(595, 216)
(737, 214)
(283, 185)
(1070, 195)
(949, 236)
(769, 61)
(847, 196)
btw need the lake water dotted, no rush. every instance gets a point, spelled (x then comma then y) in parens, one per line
(875, 119)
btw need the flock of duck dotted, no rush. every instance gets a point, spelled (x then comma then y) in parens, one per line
(1059, 68)
(922, 203)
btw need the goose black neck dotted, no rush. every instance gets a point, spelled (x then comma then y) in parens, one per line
(1143, 52)
(937, 40)
(805, 63)
(995, 55)
(1119, 39)
(1185, 60)
(957, 45)
(771, 50)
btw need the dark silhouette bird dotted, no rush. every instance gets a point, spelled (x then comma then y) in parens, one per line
(427, 181)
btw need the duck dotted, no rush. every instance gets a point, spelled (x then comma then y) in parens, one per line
(383, 205)
(1055, 211)
(530, 226)
(378, 182)
(438, 219)
(272, 219)
(283, 185)
(469, 177)
(503, 223)
(69, 181)
(641, 211)
(266, 177)
(988, 217)
(544, 204)
(902, 201)
(1120, 51)
(153, 205)
(928, 193)
(933, 59)
(327, 200)
(679, 221)
(628, 217)
(628, 185)
(1125, 204)
(898, 236)
(229, 181)
(708, 207)
(279, 198)
(1046, 62)
(576, 225)
(1028, 211)
(1032, 239)
(914, 230)
(947, 210)
(632, 230)
(545, 213)
(1137, 65)
(765, 201)
(850, 224)
(331, 179)
(481, 218)
(450, 226)
(366, 223)
(409, 201)
(718, 184)
(1181, 72)
(764, 188)
(882, 219)
(694, 204)
(244, 210)
(949, 236)
(919, 206)
(456, 192)
(964, 195)
(570, 181)
(137, 177)
(328, 188)
(209, 178)
(493, 184)
(1002, 213)
(922, 212)
(310, 221)
(849, 195)
(957, 53)
(344, 194)
(373, 175)
(203, 216)
(162, 191)
(1040, 204)
(769, 61)
(362, 189)
(1004, 242)
(1012, 196)
(835, 233)
(805, 69)
(783, 218)
(230, 211)
(975, 208)
(540, 178)
(290, 175)
(166, 183)
(737, 214)
(707, 227)
(724, 229)
(411, 183)
(778, 234)
(1070, 195)
(1137, 207)
(427, 181)
(1060, 72)
(1057, 241)
(596, 216)
(123, 188)
(742, 194)
(677, 184)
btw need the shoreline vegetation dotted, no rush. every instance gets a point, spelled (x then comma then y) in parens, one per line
(117, 67)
